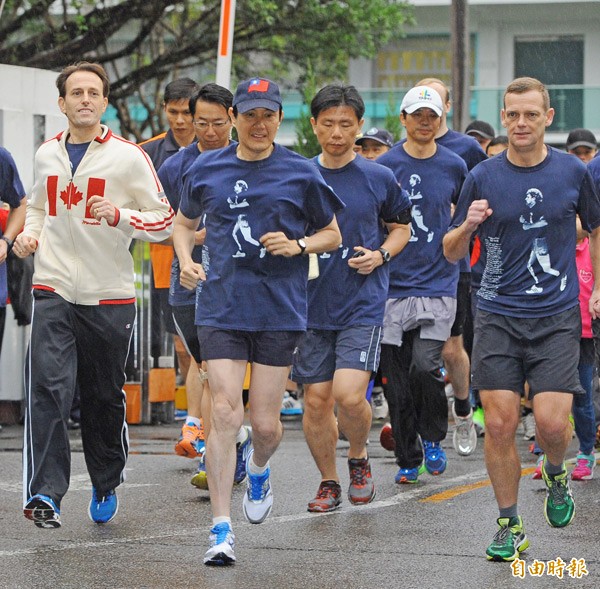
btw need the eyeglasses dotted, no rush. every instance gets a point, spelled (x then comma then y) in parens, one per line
(216, 125)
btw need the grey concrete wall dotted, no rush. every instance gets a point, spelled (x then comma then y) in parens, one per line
(28, 115)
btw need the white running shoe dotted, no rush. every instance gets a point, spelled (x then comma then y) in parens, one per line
(258, 498)
(379, 405)
(290, 405)
(528, 426)
(464, 437)
(222, 542)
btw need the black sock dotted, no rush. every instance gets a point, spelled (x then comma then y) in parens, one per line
(462, 407)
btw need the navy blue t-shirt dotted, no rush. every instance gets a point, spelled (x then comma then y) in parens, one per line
(171, 177)
(433, 184)
(528, 243)
(464, 146)
(594, 168)
(246, 287)
(341, 297)
(11, 192)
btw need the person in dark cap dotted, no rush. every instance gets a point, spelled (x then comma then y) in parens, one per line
(481, 131)
(583, 144)
(375, 142)
(259, 200)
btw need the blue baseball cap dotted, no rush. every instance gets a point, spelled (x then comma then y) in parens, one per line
(257, 93)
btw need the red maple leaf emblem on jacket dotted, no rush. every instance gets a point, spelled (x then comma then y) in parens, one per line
(71, 196)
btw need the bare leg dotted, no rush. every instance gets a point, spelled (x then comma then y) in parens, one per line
(320, 427)
(354, 411)
(267, 385)
(227, 415)
(502, 410)
(553, 429)
(458, 366)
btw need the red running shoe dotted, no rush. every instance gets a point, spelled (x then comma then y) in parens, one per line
(329, 497)
(386, 438)
(361, 489)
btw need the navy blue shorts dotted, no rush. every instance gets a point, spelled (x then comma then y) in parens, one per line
(544, 351)
(184, 317)
(323, 351)
(271, 348)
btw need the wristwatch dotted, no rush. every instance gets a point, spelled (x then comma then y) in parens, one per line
(9, 242)
(385, 255)
(302, 245)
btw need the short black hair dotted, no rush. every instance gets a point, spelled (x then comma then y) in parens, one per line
(498, 140)
(182, 88)
(334, 95)
(214, 94)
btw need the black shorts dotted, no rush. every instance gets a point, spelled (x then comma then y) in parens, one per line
(463, 303)
(544, 351)
(184, 318)
(271, 348)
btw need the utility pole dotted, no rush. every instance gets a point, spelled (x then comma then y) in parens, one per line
(461, 61)
(225, 49)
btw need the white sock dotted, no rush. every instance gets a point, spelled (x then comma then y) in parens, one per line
(221, 520)
(242, 435)
(189, 420)
(256, 469)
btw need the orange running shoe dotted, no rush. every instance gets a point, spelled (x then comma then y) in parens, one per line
(191, 440)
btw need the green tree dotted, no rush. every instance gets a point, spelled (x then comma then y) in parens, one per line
(145, 43)
(392, 117)
(307, 144)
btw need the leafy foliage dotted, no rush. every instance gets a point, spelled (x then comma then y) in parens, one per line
(307, 143)
(145, 43)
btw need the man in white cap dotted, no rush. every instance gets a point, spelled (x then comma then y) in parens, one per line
(421, 302)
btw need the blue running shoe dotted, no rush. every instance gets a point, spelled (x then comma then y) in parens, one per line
(242, 450)
(220, 551)
(258, 498)
(200, 478)
(435, 457)
(42, 510)
(103, 508)
(407, 476)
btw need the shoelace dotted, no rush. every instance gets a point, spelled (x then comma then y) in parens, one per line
(220, 533)
(502, 535)
(258, 486)
(558, 491)
(432, 449)
(326, 491)
(358, 474)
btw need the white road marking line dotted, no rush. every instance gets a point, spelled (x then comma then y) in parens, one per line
(401, 497)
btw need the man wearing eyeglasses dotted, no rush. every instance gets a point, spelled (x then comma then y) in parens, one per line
(176, 107)
(209, 108)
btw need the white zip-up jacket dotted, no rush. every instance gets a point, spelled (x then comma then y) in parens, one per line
(84, 260)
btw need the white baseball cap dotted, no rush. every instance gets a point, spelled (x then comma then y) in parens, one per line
(422, 97)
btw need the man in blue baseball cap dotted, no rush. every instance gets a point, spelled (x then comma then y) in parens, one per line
(258, 200)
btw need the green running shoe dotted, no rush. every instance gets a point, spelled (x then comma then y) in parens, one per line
(559, 506)
(510, 540)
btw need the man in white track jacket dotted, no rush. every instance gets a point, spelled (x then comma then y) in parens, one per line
(93, 193)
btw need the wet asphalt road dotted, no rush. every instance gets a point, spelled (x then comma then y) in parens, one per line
(425, 536)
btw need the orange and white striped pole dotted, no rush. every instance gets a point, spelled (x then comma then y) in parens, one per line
(223, 77)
